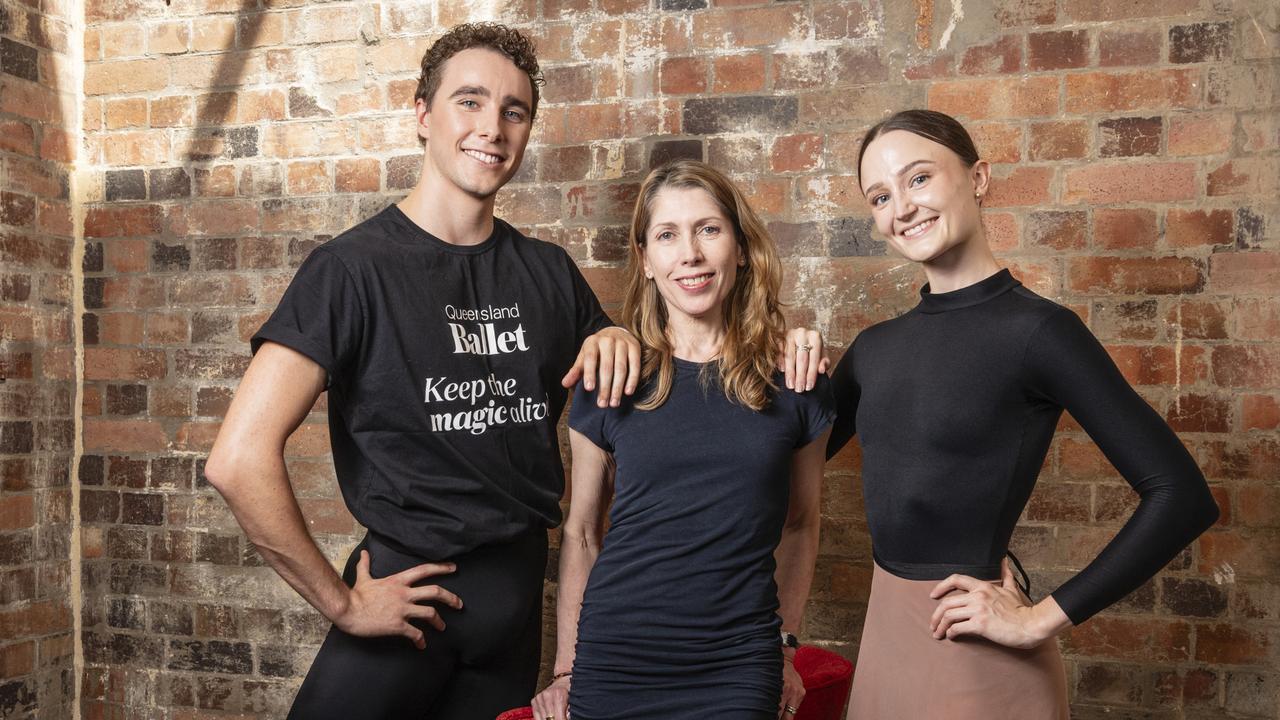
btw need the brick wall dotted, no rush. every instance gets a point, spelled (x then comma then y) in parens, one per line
(1136, 159)
(39, 78)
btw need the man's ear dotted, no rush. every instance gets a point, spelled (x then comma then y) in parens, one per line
(423, 112)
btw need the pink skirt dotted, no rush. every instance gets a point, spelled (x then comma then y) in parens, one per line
(903, 672)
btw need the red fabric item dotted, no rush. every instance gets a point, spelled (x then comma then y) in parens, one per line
(827, 678)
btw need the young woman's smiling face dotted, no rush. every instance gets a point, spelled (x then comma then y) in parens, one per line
(921, 195)
(691, 252)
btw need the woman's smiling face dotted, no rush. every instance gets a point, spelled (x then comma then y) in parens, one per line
(922, 196)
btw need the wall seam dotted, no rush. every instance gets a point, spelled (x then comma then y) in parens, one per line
(75, 191)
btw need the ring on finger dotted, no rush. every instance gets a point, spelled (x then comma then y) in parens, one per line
(803, 347)
(790, 709)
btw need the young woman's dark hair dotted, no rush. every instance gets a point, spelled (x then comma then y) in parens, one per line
(931, 124)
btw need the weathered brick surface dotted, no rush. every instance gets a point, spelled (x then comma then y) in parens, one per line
(38, 114)
(1136, 158)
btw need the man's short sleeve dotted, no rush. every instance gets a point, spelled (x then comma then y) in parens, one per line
(591, 318)
(320, 315)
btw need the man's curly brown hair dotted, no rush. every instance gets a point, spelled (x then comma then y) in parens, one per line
(497, 37)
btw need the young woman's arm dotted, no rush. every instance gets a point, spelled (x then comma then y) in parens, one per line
(797, 551)
(591, 490)
(1066, 365)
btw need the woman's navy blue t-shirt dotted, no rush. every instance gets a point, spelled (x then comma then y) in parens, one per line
(701, 494)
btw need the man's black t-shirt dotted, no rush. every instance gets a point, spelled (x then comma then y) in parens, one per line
(444, 367)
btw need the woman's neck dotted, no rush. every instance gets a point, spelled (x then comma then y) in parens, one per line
(962, 266)
(695, 339)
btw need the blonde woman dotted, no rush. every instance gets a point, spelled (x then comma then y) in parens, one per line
(687, 608)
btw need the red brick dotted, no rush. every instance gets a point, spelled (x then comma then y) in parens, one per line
(1022, 185)
(358, 175)
(126, 113)
(122, 328)
(1058, 140)
(938, 66)
(123, 364)
(216, 217)
(1200, 413)
(173, 111)
(1200, 320)
(1198, 228)
(124, 436)
(1059, 230)
(1136, 640)
(122, 221)
(800, 70)
(36, 619)
(1246, 366)
(125, 76)
(1129, 136)
(1254, 177)
(309, 178)
(682, 76)
(1131, 276)
(588, 122)
(998, 142)
(1106, 183)
(1260, 412)
(748, 27)
(1200, 133)
(1128, 91)
(1259, 505)
(796, 153)
(999, 57)
(1244, 273)
(1122, 229)
(1017, 13)
(1128, 47)
(17, 137)
(737, 73)
(169, 38)
(327, 516)
(1057, 50)
(1001, 230)
(17, 512)
(996, 98)
(1224, 644)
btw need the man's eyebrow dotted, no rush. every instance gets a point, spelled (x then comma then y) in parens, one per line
(470, 90)
(513, 101)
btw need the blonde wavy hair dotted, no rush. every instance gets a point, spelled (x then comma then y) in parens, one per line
(754, 327)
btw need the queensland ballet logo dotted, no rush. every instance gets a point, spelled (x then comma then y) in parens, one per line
(475, 331)
(475, 404)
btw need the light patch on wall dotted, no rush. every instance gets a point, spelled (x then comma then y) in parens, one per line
(957, 14)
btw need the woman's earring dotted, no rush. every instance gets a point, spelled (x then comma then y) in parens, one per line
(648, 276)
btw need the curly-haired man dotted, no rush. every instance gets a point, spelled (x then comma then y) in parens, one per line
(441, 335)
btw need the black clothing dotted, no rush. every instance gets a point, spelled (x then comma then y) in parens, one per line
(956, 402)
(679, 616)
(444, 366)
(485, 661)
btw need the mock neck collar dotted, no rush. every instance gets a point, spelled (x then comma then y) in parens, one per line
(975, 294)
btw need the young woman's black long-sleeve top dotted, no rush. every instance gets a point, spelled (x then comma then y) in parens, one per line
(956, 403)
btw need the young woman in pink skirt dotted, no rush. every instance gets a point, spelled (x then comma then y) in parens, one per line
(955, 404)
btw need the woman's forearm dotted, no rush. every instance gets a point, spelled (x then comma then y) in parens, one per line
(796, 553)
(578, 551)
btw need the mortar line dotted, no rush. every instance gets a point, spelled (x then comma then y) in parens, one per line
(74, 193)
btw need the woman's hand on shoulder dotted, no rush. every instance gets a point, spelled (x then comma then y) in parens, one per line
(792, 689)
(998, 612)
(802, 358)
(553, 702)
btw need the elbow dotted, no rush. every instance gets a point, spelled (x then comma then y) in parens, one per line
(220, 469)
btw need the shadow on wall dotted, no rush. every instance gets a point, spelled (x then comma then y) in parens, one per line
(37, 390)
